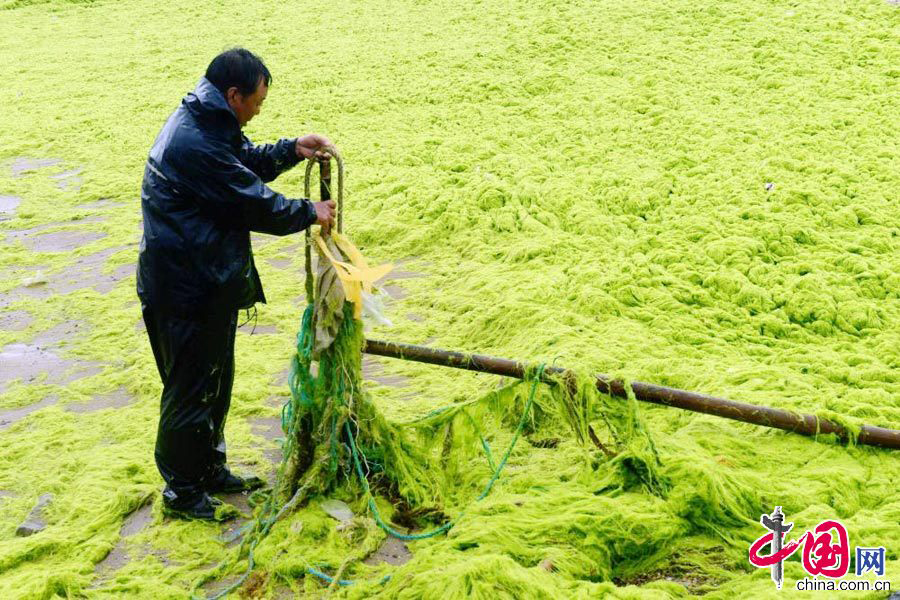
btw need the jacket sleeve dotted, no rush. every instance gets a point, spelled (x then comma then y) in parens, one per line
(232, 193)
(269, 160)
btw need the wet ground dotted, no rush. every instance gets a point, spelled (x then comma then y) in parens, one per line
(43, 358)
(119, 556)
(43, 355)
(8, 206)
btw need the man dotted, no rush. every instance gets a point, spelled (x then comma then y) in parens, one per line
(203, 193)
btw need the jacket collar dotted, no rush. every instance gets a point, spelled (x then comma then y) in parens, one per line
(207, 103)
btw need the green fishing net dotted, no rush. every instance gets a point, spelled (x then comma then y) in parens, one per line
(335, 435)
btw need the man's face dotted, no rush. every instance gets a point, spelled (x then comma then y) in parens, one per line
(247, 107)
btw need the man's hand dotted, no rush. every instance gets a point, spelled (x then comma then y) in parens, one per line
(325, 215)
(314, 146)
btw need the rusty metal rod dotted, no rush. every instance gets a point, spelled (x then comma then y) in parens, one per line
(803, 424)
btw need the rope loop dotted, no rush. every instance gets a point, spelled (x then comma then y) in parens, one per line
(325, 191)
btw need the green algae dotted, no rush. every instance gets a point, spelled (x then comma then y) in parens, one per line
(578, 180)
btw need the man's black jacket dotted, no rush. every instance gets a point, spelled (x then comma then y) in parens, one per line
(202, 195)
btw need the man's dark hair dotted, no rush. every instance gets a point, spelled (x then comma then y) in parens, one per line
(238, 68)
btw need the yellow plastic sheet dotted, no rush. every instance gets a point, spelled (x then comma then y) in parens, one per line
(356, 276)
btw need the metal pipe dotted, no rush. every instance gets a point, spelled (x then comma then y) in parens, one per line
(803, 424)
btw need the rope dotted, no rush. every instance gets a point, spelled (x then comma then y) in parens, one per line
(300, 384)
(295, 381)
(487, 488)
(340, 213)
(327, 578)
(298, 377)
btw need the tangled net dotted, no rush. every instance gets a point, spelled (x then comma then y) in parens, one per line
(335, 433)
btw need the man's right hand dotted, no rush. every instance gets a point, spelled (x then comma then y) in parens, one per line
(325, 215)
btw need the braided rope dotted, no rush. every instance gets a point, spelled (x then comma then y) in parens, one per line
(340, 212)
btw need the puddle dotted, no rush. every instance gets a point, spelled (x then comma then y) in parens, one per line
(27, 275)
(270, 429)
(118, 557)
(239, 500)
(22, 165)
(60, 334)
(116, 399)
(28, 362)
(280, 263)
(276, 402)
(68, 180)
(392, 551)
(372, 370)
(8, 206)
(137, 521)
(15, 320)
(395, 291)
(217, 585)
(61, 241)
(86, 272)
(23, 235)
(281, 379)
(258, 240)
(99, 204)
(8, 417)
(267, 427)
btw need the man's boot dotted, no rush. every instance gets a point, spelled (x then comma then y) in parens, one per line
(203, 508)
(226, 482)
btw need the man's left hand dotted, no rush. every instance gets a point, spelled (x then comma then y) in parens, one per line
(314, 146)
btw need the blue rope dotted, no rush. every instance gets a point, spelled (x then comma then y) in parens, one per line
(299, 381)
(296, 382)
(487, 488)
(329, 579)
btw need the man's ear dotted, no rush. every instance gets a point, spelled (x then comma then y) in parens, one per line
(231, 95)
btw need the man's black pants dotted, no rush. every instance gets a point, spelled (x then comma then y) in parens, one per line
(195, 358)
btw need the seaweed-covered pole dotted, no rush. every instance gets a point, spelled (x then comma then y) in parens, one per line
(803, 424)
(301, 444)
